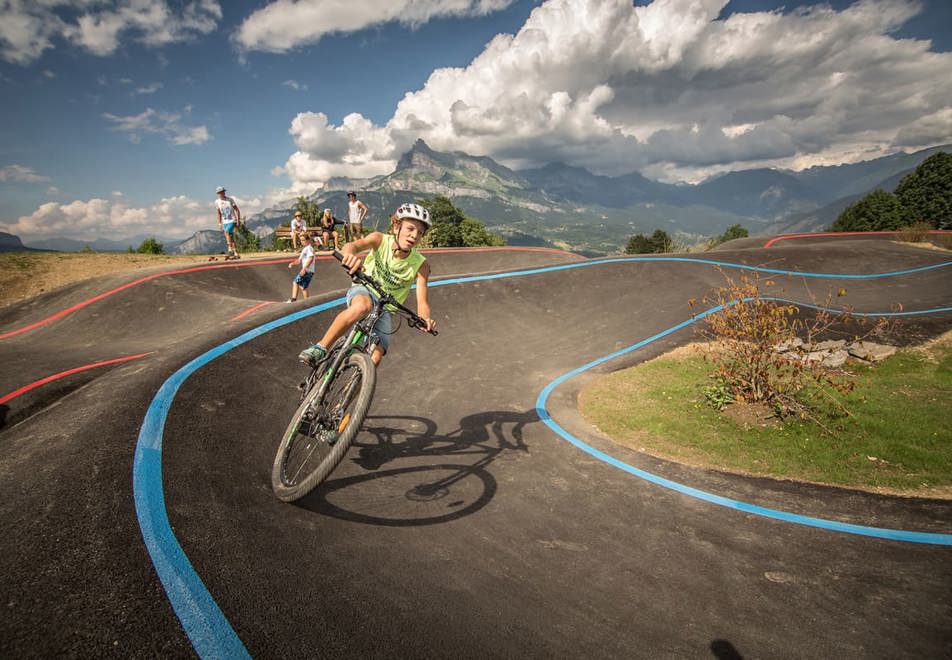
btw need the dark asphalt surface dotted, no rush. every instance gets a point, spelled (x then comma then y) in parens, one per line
(458, 525)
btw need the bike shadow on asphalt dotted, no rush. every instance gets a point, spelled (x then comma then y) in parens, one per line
(403, 472)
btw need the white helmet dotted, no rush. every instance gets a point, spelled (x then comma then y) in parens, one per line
(219, 189)
(414, 212)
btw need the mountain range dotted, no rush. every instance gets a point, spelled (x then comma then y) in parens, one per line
(569, 207)
(572, 208)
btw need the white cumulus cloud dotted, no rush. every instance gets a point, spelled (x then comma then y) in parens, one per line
(29, 27)
(176, 216)
(667, 89)
(284, 24)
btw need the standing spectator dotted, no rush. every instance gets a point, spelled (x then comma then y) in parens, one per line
(298, 228)
(229, 217)
(306, 272)
(356, 212)
(328, 229)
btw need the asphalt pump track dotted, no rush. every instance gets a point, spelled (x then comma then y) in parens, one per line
(138, 432)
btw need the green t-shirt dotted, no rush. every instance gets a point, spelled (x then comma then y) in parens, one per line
(396, 275)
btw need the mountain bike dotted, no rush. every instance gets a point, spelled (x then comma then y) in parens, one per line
(336, 396)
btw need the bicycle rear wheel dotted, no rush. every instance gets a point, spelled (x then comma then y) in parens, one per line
(322, 429)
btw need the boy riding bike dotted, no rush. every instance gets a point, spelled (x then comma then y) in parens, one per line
(396, 263)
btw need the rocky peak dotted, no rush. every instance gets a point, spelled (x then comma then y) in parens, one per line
(420, 156)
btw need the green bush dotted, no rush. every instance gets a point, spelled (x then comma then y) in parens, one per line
(926, 194)
(452, 228)
(245, 240)
(150, 246)
(877, 211)
(732, 232)
(658, 243)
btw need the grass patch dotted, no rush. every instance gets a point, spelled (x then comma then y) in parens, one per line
(898, 438)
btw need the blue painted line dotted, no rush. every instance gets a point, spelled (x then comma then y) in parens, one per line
(709, 262)
(207, 627)
(832, 525)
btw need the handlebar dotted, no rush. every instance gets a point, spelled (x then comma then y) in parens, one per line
(413, 319)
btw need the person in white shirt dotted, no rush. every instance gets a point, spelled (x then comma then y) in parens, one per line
(305, 263)
(229, 217)
(298, 229)
(356, 212)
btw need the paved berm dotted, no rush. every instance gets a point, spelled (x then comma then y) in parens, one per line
(459, 525)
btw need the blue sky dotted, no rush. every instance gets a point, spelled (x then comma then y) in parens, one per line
(122, 117)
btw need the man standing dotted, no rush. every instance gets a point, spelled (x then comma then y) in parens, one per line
(356, 212)
(229, 217)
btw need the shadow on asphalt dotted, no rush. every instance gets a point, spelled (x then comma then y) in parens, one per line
(429, 491)
(724, 650)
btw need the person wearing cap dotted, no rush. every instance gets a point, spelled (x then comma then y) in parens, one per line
(298, 228)
(328, 228)
(395, 262)
(356, 212)
(229, 217)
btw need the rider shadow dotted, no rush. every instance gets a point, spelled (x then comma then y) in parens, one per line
(446, 480)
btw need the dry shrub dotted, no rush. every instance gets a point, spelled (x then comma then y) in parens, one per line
(743, 337)
(915, 233)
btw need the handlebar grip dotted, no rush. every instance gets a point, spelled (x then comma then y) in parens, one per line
(338, 255)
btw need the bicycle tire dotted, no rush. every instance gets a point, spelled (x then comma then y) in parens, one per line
(344, 403)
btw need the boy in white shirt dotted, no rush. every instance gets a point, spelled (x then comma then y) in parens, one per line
(306, 264)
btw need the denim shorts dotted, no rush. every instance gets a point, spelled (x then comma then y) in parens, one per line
(384, 325)
(229, 228)
(304, 280)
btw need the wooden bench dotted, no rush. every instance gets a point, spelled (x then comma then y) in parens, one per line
(284, 233)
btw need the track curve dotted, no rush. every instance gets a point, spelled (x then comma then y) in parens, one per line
(444, 530)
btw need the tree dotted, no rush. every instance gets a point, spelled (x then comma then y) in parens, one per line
(732, 232)
(638, 244)
(658, 243)
(475, 234)
(246, 240)
(308, 209)
(150, 246)
(926, 194)
(452, 228)
(661, 241)
(877, 211)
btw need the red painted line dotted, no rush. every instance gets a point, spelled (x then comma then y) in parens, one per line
(323, 257)
(839, 233)
(252, 309)
(78, 306)
(43, 381)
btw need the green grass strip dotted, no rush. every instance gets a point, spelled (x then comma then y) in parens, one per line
(898, 438)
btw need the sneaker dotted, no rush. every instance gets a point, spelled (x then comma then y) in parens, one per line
(313, 355)
(290, 300)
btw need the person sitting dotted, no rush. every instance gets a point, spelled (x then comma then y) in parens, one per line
(329, 229)
(298, 229)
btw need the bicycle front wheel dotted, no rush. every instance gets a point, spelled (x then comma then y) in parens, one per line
(323, 428)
